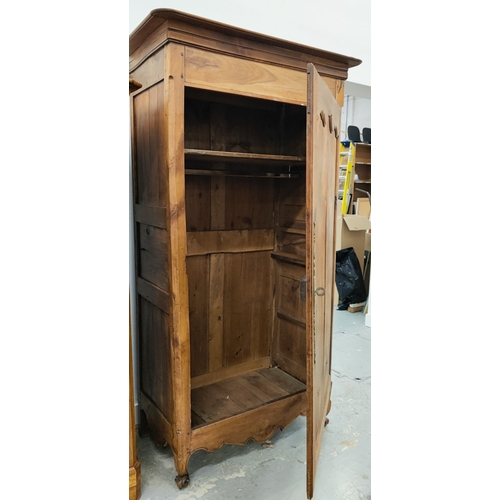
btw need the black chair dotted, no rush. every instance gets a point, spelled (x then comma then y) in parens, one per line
(367, 135)
(353, 133)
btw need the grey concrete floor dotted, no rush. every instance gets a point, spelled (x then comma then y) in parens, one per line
(278, 472)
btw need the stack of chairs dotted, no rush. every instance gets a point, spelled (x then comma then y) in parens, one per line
(354, 134)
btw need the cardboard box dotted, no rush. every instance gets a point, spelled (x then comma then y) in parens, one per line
(351, 232)
(363, 207)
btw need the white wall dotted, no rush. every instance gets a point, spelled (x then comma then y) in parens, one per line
(356, 111)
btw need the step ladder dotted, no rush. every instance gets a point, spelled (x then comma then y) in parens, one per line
(347, 155)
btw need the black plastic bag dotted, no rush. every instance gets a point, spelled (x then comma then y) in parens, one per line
(349, 279)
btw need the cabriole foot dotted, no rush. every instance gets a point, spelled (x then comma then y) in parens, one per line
(182, 481)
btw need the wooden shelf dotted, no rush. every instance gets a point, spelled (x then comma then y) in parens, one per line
(235, 157)
(236, 395)
(238, 173)
(291, 230)
(288, 257)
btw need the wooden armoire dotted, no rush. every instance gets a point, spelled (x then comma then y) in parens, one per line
(235, 139)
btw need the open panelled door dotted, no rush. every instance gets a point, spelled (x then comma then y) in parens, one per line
(323, 123)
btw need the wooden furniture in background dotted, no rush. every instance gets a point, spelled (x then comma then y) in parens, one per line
(134, 466)
(363, 171)
(235, 157)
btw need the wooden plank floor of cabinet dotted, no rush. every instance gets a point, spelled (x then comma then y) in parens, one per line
(236, 395)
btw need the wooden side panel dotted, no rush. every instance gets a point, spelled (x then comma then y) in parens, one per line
(289, 346)
(289, 303)
(150, 185)
(293, 243)
(150, 71)
(291, 218)
(155, 216)
(247, 307)
(153, 248)
(323, 126)
(212, 71)
(150, 146)
(155, 295)
(155, 358)
(293, 215)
